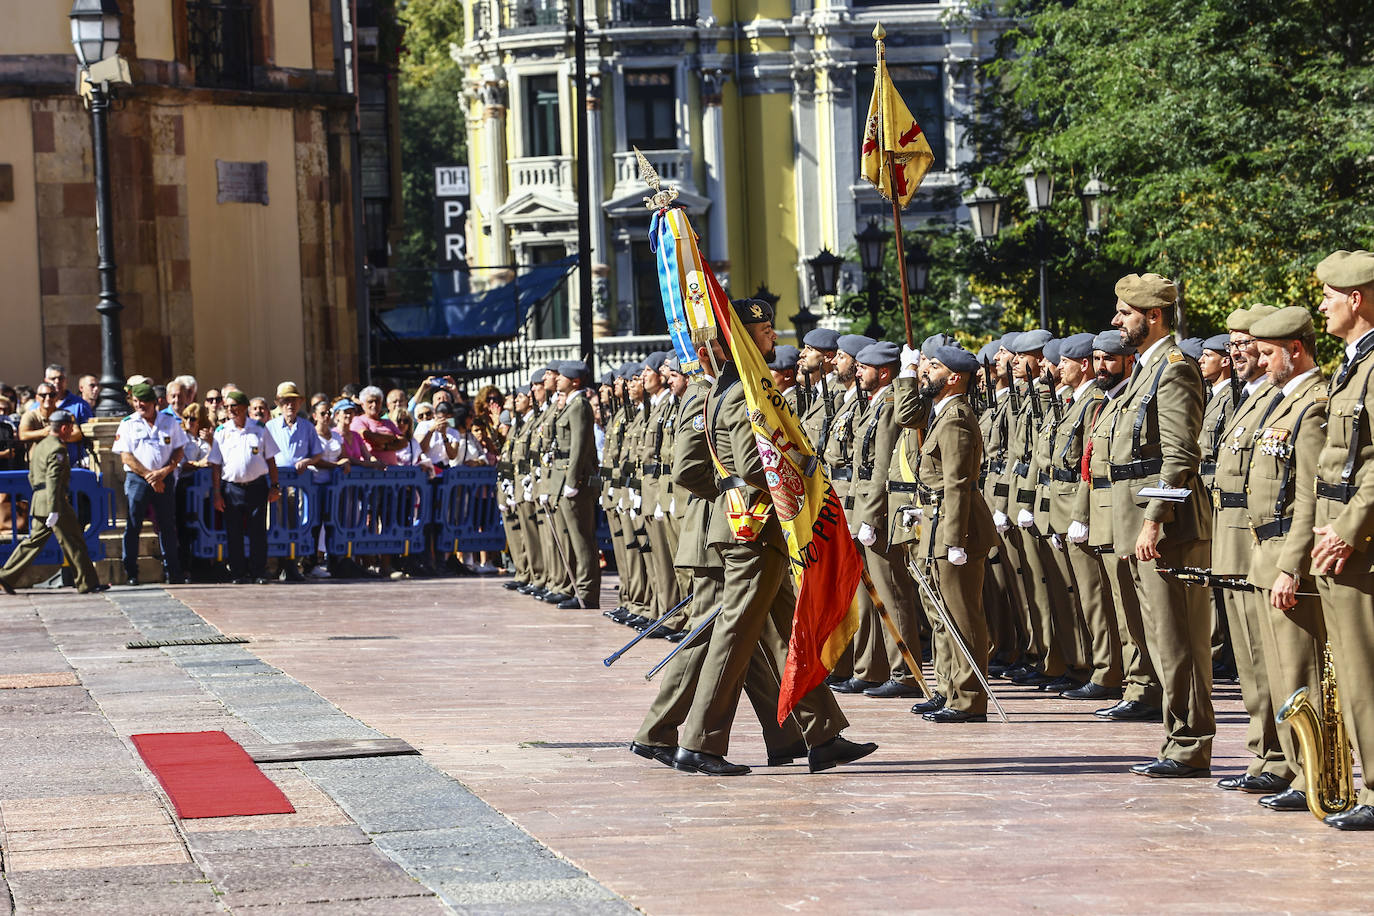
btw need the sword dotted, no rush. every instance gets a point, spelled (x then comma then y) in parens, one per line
(940, 608)
(687, 641)
(610, 659)
(563, 554)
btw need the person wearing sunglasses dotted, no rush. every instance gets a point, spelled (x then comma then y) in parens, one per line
(33, 426)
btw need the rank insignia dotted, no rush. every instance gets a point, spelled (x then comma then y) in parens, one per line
(699, 423)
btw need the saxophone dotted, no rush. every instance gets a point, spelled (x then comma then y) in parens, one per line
(1327, 762)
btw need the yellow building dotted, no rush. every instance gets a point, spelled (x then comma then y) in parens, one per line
(238, 192)
(754, 109)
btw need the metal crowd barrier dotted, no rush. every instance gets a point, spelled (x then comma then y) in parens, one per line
(466, 512)
(92, 501)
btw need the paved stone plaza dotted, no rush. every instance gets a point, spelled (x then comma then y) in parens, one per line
(525, 800)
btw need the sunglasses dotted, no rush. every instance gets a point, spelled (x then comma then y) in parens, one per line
(46, 394)
(210, 400)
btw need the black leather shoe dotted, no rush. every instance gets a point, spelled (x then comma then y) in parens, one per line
(9, 589)
(950, 714)
(1230, 783)
(832, 679)
(1131, 711)
(1140, 768)
(1360, 817)
(529, 589)
(1061, 684)
(1091, 691)
(893, 689)
(1171, 769)
(132, 582)
(788, 754)
(514, 585)
(836, 751)
(936, 702)
(709, 764)
(261, 580)
(1016, 671)
(1033, 678)
(555, 597)
(855, 685)
(999, 669)
(292, 574)
(1287, 800)
(1263, 784)
(679, 636)
(660, 633)
(663, 755)
(102, 587)
(572, 604)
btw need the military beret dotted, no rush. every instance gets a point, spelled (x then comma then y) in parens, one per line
(525, 389)
(673, 363)
(1192, 347)
(537, 377)
(988, 352)
(1146, 291)
(58, 417)
(607, 378)
(1285, 324)
(853, 343)
(1241, 319)
(933, 343)
(880, 353)
(1029, 341)
(1218, 343)
(1110, 342)
(957, 359)
(575, 369)
(1007, 340)
(1346, 269)
(238, 397)
(626, 370)
(785, 358)
(822, 339)
(552, 366)
(1077, 346)
(654, 360)
(752, 311)
(143, 392)
(1052, 351)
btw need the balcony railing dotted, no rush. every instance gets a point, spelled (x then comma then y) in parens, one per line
(549, 175)
(220, 43)
(653, 12)
(674, 166)
(533, 15)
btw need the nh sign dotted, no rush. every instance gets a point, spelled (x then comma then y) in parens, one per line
(451, 201)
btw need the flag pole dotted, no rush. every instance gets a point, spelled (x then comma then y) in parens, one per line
(879, 33)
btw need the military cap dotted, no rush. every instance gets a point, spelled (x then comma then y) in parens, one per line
(1346, 269)
(988, 352)
(1285, 324)
(525, 389)
(343, 404)
(673, 363)
(1191, 347)
(1110, 342)
(1029, 341)
(143, 392)
(1218, 343)
(752, 311)
(957, 359)
(58, 417)
(785, 358)
(236, 396)
(607, 378)
(822, 339)
(853, 343)
(552, 366)
(1076, 346)
(1052, 351)
(575, 369)
(1243, 319)
(626, 370)
(880, 353)
(1146, 291)
(536, 377)
(1007, 340)
(654, 360)
(933, 343)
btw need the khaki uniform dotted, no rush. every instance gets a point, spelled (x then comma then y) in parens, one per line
(656, 479)
(1069, 634)
(576, 461)
(1008, 614)
(1214, 421)
(819, 416)
(838, 455)
(635, 591)
(612, 488)
(548, 485)
(50, 476)
(510, 510)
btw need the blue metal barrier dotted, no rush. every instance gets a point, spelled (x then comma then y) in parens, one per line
(466, 512)
(377, 511)
(290, 520)
(92, 501)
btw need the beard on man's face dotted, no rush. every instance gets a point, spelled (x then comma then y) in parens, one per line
(1134, 336)
(932, 387)
(1108, 380)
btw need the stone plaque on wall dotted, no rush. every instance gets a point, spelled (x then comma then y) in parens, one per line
(241, 182)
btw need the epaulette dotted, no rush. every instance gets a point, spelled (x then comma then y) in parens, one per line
(1175, 355)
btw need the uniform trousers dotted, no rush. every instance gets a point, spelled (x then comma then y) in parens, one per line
(515, 544)
(1261, 735)
(68, 532)
(961, 589)
(1068, 634)
(1039, 622)
(1294, 646)
(1099, 617)
(1140, 683)
(143, 498)
(1001, 599)
(577, 517)
(245, 514)
(880, 659)
(1348, 606)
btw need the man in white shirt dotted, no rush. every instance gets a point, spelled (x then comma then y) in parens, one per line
(150, 443)
(245, 481)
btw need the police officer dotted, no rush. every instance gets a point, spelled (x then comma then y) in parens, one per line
(150, 444)
(245, 481)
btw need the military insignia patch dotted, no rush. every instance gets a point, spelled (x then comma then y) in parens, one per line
(756, 311)
(699, 423)
(1175, 356)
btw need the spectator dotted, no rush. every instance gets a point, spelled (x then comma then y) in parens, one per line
(330, 447)
(298, 448)
(200, 433)
(316, 399)
(25, 399)
(430, 388)
(56, 376)
(88, 386)
(11, 448)
(161, 392)
(260, 410)
(354, 450)
(242, 467)
(181, 393)
(395, 403)
(434, 432)
(409, 453)
(350, 392)
(381, 434)
(34, 425)
(151, 444)
(214, 408)
(471, 452)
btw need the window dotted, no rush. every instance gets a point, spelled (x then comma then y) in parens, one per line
(657, 11)
(219, 38)
(650, 101)
(921, 86)
(551, 314)
(648, 316)
(541, 116)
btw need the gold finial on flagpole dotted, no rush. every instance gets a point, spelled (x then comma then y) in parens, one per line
(879, 33)
(663, 196)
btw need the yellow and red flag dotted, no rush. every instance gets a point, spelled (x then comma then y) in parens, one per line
(892, 131)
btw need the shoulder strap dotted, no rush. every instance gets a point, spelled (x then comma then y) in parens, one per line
(1146, 403)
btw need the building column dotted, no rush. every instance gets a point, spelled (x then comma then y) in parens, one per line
(596, 195)
(494, 153)
(806, 174)
(713, 143)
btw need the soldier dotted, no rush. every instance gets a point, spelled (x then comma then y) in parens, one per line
(1279, 509)
(1008, 616)
(654, 474)
(815, 370)
(523, 509)
(1341, 555)
(579, 482)
(1214, 362)
(673, 508)
(1232, 548)
(1154, 443)
(639, 596)
(784, 368)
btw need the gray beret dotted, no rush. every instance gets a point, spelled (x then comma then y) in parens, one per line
(1110, 342)
(957, 359)
(628, 371)
(1346, 269)
(537, 377)
(1008, 339)
(1052, 351)
(58, 417)
(575, 368)
(785, 357)
(655, 360)
(1029, 341)
(752, 311)
(553, 365)
(988, 352)
(1289, 323)
(880, 353)
(673, 363)
(853, 343)
(607, 378)
(1220, 343)
(1077, 346)
(1192, 347)
(822, 339)
(504, 419)
(520, 389)
(933, 343)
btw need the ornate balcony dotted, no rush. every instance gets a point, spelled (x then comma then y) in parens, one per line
(674, 166)
(533, 15)
(549, 176)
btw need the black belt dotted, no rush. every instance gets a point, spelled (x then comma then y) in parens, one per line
(1340, 492)
(652, 470)
(504, 467)
(1044, 505)
(1207, 468)
(1044, 478)
(595, 480)
(633, 483)
(1102, 483)
(901, 486)
(998, 466)
(1025, 496)
(1021, 469)
(523, 466)
(1273, 529)
(849, 502)
(1232, 500)
(560, 453)
(729, 483)
(1134, 470)
(865, 473)
(842, 474)
(39, 486)
(1065, 475)
(1000, 489)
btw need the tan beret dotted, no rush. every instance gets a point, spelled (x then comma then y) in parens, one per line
(1347, 269)
(1283, 324)
(1249, 316)
(1239, 320)
(1146, 291)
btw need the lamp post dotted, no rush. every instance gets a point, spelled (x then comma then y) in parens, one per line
(1040, 197)
(917, 269)
(872, 243)
(1096, 197)
(985, 212)
(825, 281)
(95, 36)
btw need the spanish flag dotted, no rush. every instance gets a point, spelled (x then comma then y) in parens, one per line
(891, 130)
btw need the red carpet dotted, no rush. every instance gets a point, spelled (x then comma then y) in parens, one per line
(208, 774)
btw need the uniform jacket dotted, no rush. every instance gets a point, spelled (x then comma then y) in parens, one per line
(694, 480)
(820, 412)
(875, 434)
(1232, 542)
(1215, 417)
(839, 445)
(1065, 460)
(576, 436)
(996, 435)
(731, 435)
(951, 457)
(50, 474)
(1353, 520)
(912, 411)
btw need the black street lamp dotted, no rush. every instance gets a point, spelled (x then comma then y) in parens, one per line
(917, 268)
(825, 281)
(95, 36)
(985, 211)
(1097, 197)
(872, 243)
(1040, 197)
(765, 294)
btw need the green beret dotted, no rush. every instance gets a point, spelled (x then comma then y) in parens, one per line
(143, 392)
(1283, 324)
(1347, 269)
(236, 396)
(1146, 291)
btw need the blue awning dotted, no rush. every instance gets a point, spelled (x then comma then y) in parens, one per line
(498, 312)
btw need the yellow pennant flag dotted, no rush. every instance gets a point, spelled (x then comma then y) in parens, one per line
(892, 131)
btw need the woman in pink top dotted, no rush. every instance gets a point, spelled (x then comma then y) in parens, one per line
(381, 435)
(353, 448)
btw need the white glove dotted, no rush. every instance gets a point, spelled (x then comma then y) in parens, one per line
(570, 492)
(1056, 543)
(527, 482)
(910, 357)
(1025, 519)
(672, 505)
(543, 499)
(999, 518)
(529, 494)
(867, 536)
(1078, 532)
(658, 513)
(911, 517)
(636, 500)
(51, 520)
(957, 556)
